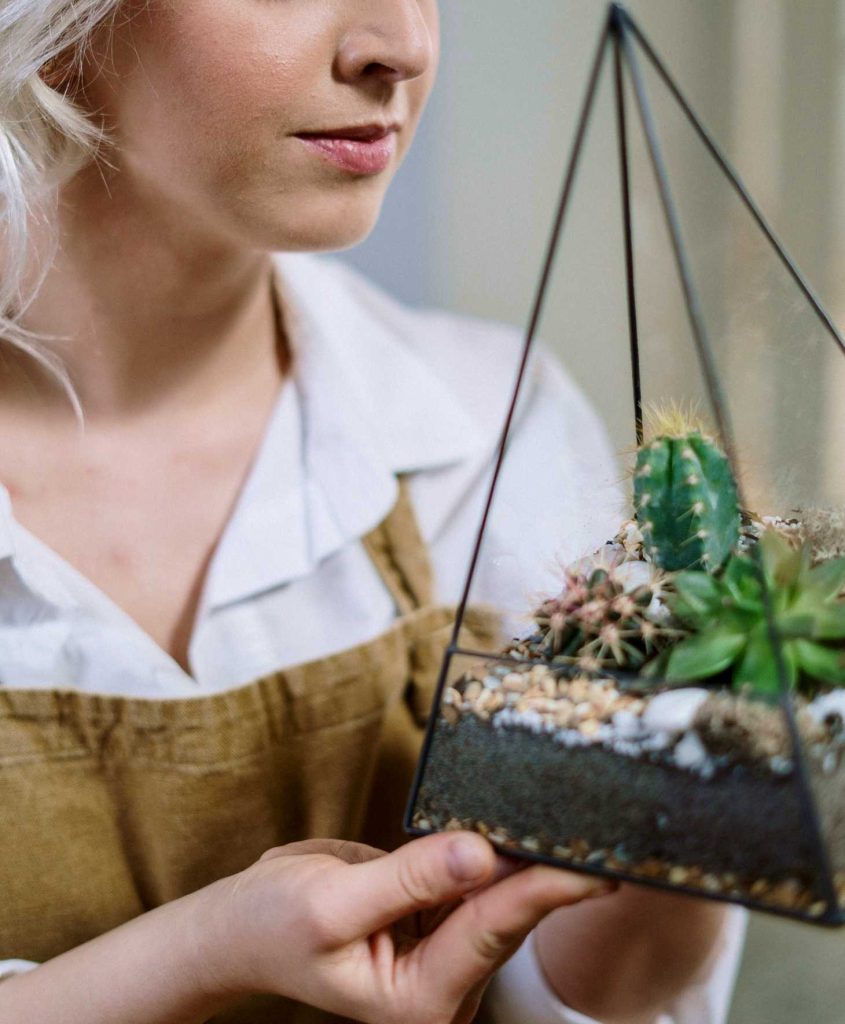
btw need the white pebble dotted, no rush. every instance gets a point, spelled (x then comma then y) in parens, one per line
(832, 703)
(627, 725)
(674, 710)
(691, 752)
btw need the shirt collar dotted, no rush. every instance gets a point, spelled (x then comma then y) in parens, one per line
(360, 407)
(7, 546)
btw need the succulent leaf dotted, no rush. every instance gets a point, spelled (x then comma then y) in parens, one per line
(828, 578)
(696, 593)
(727, 617)
(758, 667)
(826, 663)
(704, 654)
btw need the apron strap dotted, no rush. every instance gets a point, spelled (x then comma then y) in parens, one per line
(400, 555)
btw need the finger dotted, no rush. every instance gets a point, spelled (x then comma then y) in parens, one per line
(421, 874)
(505, 867)
(484, 931)
(342, 849)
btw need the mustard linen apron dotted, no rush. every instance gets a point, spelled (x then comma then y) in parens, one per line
(110, 806)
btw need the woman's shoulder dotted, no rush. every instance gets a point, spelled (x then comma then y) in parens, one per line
(474, 357)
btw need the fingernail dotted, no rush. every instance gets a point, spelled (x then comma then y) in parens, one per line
(467, 859)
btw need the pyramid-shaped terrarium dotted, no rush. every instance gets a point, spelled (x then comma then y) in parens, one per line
(671, 709)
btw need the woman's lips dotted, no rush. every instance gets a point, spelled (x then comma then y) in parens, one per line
(366, 150)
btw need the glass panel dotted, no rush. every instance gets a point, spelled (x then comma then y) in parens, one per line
(658, 600)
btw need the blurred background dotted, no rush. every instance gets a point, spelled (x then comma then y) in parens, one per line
(467, 221)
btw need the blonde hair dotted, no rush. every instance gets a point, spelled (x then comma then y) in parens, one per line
(44, 139)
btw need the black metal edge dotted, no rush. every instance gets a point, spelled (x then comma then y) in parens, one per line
(551, 251)
(625, 183)
(422, 760)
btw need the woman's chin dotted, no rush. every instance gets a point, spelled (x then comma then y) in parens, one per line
(324, 227)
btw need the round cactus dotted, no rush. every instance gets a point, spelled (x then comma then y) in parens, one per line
(686, 502)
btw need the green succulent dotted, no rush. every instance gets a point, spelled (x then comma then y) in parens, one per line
(730, 632)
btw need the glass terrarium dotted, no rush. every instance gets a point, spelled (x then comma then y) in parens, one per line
(662, 695)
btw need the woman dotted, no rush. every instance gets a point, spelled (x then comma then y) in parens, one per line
(212, 599)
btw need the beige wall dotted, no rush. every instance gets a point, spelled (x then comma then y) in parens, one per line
(767, 77)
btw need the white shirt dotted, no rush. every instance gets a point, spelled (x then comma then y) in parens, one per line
(375, 389)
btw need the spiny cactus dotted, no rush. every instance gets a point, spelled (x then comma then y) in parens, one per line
(685, 496)
(604, 619)
(727, 617)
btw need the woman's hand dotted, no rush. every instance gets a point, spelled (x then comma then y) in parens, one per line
(410, 937)
(400, 938)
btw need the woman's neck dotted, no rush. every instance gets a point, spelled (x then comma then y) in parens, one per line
(155, 311)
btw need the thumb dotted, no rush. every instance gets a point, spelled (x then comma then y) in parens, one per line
(421, 874)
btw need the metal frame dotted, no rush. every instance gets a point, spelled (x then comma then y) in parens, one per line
(623, 36)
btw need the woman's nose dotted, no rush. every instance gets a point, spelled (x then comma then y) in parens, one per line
(391, 41)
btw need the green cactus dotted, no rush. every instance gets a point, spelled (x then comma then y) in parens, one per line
(685, 497)
(601, 619)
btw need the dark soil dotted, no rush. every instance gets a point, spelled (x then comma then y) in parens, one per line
(746, 821)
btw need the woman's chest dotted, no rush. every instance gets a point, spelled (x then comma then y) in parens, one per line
(139, 517)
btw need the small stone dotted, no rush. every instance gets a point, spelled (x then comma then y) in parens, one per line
(498, 837)
(817, 909)
(651, 867)
(578, 690)
(674, 711)
(597, 857)
(786, 893)
(711, 883)
(564, 714)
(530, 843)
(626, 724)
(515, 682)
(589, 728)
(450, 714)
(491, 682)
(678, 875)
(451, 696)
(482, 828)
(580, 848)
(829, 763)
(780, 765)
(828, 706)
(453, 823)
(583, 711)
(472, 691)
(690, 752)
(423, 823)
(489, 701)
(759, 888)
(564, 852)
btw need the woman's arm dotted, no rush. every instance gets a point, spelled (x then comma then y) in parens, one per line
(626, 959)
(324, 922)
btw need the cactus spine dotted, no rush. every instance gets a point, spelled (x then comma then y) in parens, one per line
(685, 499)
